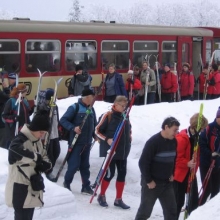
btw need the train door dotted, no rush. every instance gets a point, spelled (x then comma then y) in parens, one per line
(184, 51)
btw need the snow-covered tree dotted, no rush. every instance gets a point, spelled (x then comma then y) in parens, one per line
(6, 15)
(75, 13)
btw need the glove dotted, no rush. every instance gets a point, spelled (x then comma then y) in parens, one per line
(215, 155)
(39, 159)
(43, 166)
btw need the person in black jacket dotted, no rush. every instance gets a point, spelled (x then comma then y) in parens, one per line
(157, 167)
(105, 131)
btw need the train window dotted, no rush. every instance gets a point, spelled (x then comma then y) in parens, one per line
(115, 51)
(81, 52)
(208, 50)
(169, 52)
(10, 55)
(143, 48)
(43, 55)
(217, 50)
(185, 53)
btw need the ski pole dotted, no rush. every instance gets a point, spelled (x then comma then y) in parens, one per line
(18, 102)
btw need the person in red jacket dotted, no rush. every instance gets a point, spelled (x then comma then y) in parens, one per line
(213, 90)
(133, 84)
(168, 84)
(201, 80)
(185, 145)
(187, 82)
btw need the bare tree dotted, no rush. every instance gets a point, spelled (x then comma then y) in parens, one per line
(75, 13)
(6, 15)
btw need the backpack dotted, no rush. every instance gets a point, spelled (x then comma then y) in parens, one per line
(63, 133)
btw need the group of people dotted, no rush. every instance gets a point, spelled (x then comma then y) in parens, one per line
(165, 162)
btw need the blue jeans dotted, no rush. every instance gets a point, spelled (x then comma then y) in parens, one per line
(79, 160)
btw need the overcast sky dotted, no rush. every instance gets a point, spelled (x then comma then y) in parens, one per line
(59, 9)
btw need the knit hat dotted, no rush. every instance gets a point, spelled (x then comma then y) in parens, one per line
(187, 65)
(87, 92)
(167, 64)
(12, 76)
(218, 113)
(49, 94)
(21, 87)
(40, 121)
(130, 72)
(78, 67)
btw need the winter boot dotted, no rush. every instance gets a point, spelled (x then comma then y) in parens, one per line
(51, 177)
(67, 186)
(87, 190)
(121, 204)
(102, 201)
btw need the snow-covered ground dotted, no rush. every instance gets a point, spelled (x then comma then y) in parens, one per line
(146, 121)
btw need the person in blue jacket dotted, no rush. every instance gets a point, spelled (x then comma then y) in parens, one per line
(114, 85)
(79, 158)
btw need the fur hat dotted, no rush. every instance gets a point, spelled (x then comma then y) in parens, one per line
(12, 76)
(87, 92)
(187, 65)
(78, 67)
(40, 121)
(130, 72)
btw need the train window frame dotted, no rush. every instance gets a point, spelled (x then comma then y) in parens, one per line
(81, 52)
(113, 51)
(169, 51)
(11, 52)
(141, 41)
(162, 50)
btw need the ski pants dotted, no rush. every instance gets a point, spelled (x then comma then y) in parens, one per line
(213, 186)
(79, 160)
(121, 168)
(24, 214)
(53, 151)
(165, 193)
(167, 97)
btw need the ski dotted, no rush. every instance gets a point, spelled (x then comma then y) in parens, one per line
(52, 106)
(146, 88)
(112, 150)
(18, 102)
(177, 96)
(195, 159)
(38, 90)
(158, 78)
(130, 84)
(88, 112)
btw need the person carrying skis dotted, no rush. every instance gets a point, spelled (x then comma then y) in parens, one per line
(105, 131)
(53, 148)
(79, 158)
(11, 83)
(209, 143)
(213, 90)
(27, 159)
(156, 164)
(184, 162)
(81, 80)
(10, 113)
(201, 80)
(187, 82)
(168, 84)
(151, 83)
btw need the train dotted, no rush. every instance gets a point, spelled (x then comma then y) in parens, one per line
(57, 47)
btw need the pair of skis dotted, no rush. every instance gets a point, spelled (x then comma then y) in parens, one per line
(112, 150)
(70, 149)
(195, 159)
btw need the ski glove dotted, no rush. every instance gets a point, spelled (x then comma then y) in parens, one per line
(39, 159)
(43, 166)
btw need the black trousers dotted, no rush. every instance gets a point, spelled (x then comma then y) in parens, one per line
(180, 190)
(24, 214)
(167, 97)
(165, 193)
(213, 186)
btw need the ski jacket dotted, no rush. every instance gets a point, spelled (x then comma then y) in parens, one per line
(119, 85)
(157, 160)
(69, 121)
(78, 83)
(151, 80)
(187, 82)
(214, 84)
(10, 113)
(168, 82)
(3, 99)
(183, 156)
(136, 85)
(23, 154)
(201, 80)
(209, 141)
(106, 129)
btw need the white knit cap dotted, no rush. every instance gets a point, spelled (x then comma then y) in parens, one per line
(130, 71)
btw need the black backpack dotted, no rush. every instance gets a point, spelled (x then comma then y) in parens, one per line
(64, 134)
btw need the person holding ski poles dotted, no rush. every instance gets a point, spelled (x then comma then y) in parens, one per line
(105, 131)
(79, 158)
(201, 80)
(156, 164)
(10, 114)
(186, 141)
(209, 143)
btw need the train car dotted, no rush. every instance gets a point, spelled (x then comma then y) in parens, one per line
(56, 47)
